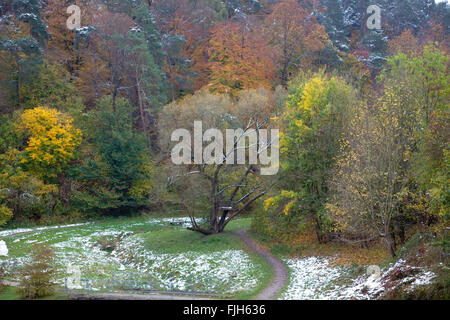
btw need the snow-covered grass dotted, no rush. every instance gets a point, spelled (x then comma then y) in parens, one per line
(223, 271)
(311, 278)
(314, 278)
(142, 250)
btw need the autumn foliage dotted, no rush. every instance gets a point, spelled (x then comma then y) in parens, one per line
(53, 140)
(239, 58)
(296, 36)
(86, 115)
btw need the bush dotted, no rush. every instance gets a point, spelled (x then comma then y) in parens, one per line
(37, 275)
(6, 214)
(2, 276)
(275, 225)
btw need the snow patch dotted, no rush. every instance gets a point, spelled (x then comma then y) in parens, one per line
(7, 233)
(314, 278)
(310, 278)
(3, 249)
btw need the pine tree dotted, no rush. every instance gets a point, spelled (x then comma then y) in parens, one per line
(117, 179)
(23, 34)
(146, 49)
(177, 65)
(149, 80)
(333, 20)
(146, 23)
(376, 43)
(22, 59)
(28, 11)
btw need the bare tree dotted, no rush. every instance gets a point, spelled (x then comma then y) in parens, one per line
(233, 188)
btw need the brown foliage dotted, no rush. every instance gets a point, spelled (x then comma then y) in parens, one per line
(103, 60)
(295, 34)
(405, 43)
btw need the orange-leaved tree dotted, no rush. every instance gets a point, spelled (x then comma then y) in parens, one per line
(295, 34)
(239, 58)
(405, 43)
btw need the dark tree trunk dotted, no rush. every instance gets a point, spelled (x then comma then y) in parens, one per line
(390, 244)
(318, 230)
(402, 235)
(285, 62)
(19, 84)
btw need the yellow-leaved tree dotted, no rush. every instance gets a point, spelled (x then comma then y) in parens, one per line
(52, 141)
(314, 121)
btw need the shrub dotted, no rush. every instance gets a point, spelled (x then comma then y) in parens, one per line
(107, 244)
(5, 214)
(37, 275)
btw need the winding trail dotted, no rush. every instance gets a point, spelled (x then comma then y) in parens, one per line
(280, 272)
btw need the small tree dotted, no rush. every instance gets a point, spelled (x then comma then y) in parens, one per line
(395, 153)
(38, 275)
(6, 214)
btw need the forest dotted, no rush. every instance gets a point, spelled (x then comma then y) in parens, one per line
(91, 92)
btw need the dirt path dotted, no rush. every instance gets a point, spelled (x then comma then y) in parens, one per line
(126, 296)
(280, 271)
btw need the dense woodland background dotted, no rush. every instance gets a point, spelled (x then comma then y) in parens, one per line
(86, 114)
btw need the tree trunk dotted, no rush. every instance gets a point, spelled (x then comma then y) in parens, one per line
(19, 96)
(214, 213)
(402, 235)
(319, 233)
(141, 104)
(117, 83)
(64, 189)
(390, 245)
(285, 62)
(284, 75)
